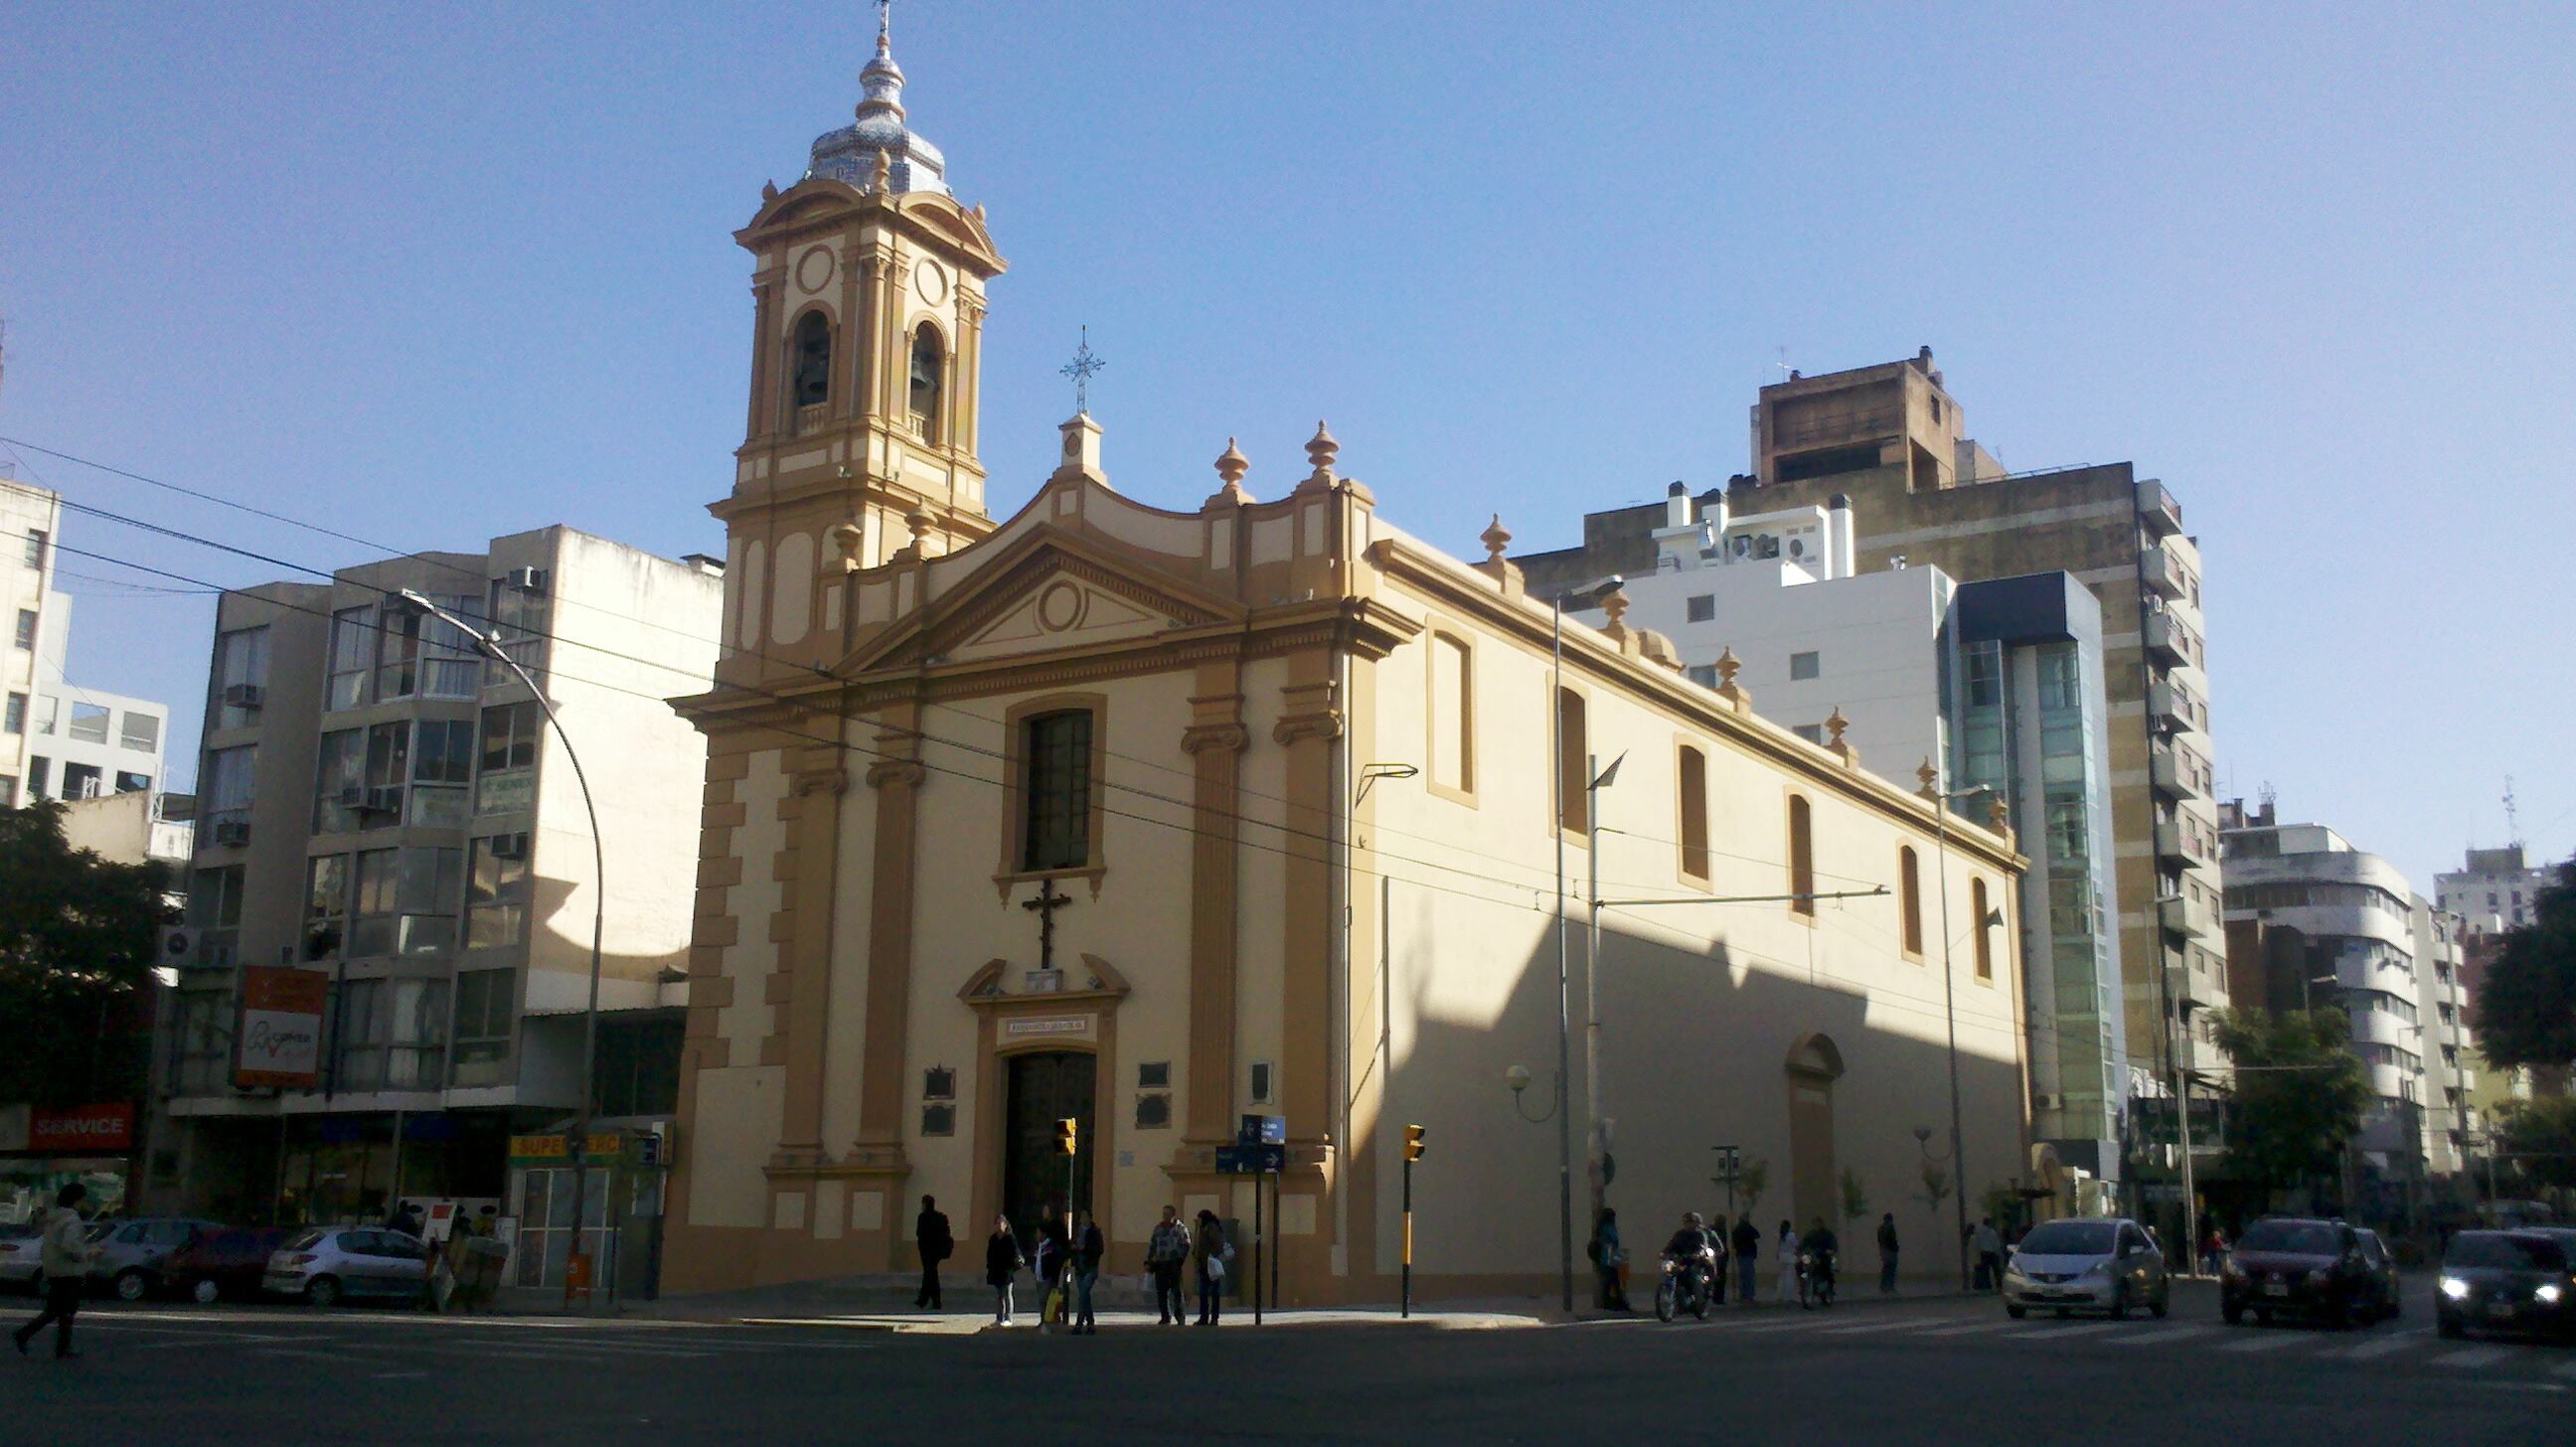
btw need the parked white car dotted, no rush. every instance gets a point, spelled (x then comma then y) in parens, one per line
(332, 1263)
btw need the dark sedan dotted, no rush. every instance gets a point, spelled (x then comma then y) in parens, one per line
(223, 1265)
(2517, 1281)
(2285, 1266)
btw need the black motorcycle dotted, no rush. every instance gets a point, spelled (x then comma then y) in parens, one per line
(1685, 1286)
(1815, 1279)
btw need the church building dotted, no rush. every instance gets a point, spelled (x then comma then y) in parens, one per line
(1154, 816)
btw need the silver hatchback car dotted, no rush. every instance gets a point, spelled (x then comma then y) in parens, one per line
(336, 1263)
(2104, 1264)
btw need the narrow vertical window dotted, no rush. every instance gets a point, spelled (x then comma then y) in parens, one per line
(1453, 757)
(1909, 898)
(1802, 857)
(929, 379)
(1693, 784)
(809, 372)
(1573, 745)
(1057, 765)
(1985, 935)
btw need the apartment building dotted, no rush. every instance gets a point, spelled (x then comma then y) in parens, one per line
(30, 520)
(1997, 687)
(2451, 1119)
(1893, 441)
(2354, 917)
(381, 804)
(2494, 890)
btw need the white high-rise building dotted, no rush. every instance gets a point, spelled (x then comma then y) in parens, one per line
(2494, 890)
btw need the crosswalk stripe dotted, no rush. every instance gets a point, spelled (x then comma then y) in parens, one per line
(2263, 1343)
(2158, 1336)
(2565, 1369)
(2375, 1347)
(2473, 1357)
(1969, 1328)
(2065, 1329)
(1869, 1326)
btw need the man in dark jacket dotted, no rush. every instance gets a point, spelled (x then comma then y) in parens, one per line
(1748, 1256)
(1887, 1254)
(930, 1233)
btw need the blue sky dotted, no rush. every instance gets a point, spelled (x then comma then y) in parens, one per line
(427, 274)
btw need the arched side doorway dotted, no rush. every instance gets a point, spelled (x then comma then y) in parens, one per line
(1814, 1064)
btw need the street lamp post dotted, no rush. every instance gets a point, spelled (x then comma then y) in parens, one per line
(1950, 1012)
(1564, 975)
(1596, 1125)
(2176, 1025)
(490, 645)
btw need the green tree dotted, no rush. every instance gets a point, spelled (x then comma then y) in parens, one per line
(2539, 1138)
(2300, 1092)
(1855, 1196)
(1751, 1179)
(77, 937)
(2525, 1011)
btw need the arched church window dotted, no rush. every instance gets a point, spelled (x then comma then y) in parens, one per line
(810, 372)
(929, 378)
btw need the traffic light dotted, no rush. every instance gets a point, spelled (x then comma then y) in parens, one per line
(1412, 1143)
(1067, 1131)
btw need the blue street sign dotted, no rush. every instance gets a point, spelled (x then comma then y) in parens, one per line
(1251, 1160)
(1267, 1130)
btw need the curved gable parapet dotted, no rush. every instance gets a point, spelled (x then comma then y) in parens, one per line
(931, 217)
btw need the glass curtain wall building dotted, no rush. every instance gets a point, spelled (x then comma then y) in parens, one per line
(2027, 703)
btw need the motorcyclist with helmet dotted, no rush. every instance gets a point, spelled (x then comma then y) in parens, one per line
(1817, 1255)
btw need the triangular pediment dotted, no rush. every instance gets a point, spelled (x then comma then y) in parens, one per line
(1053, 592)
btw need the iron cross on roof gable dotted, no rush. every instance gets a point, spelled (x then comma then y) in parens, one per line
(1049, 900)
(1085, 363)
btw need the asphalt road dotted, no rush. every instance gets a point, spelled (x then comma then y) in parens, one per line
(1948, 1371)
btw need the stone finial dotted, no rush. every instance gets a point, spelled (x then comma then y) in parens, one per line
(1231, 465)
(979, 213)
(847, 538)
(1998, 813)
(918, 520)
(882, 181)
(1931, 778)
(1835, 726)
(1505, 573)
(1728, 665)
(1495, 538)
(768, 191)
(1616, 605)
(1321, 449)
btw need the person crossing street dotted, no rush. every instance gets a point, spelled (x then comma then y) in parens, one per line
(1166, 1253)
(65, 1263)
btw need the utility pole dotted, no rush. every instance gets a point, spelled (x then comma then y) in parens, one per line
(1412, 1153)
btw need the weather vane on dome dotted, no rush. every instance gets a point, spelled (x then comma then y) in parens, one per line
(1085, 362)
(885, 21)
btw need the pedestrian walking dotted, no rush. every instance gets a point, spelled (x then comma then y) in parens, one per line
(1002, 1263)
(1215, 1255)
(1088, 1247)
(64, 1260)
(2213, 1249)
(1887, 1254)
(1748, 1257)
(1167, 1251)
(1990, 1256)
(1785, 1255)
(1610, 1261)
(930, 1236)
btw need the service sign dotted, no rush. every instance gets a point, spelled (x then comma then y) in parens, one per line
(80, 1129)
(281, 1027)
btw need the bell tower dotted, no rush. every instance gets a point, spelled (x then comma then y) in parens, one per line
(868, 303)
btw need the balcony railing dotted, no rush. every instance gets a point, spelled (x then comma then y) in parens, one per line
(2170, 641)
(2170, 770)
(2161, 515)
(2157, 569)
